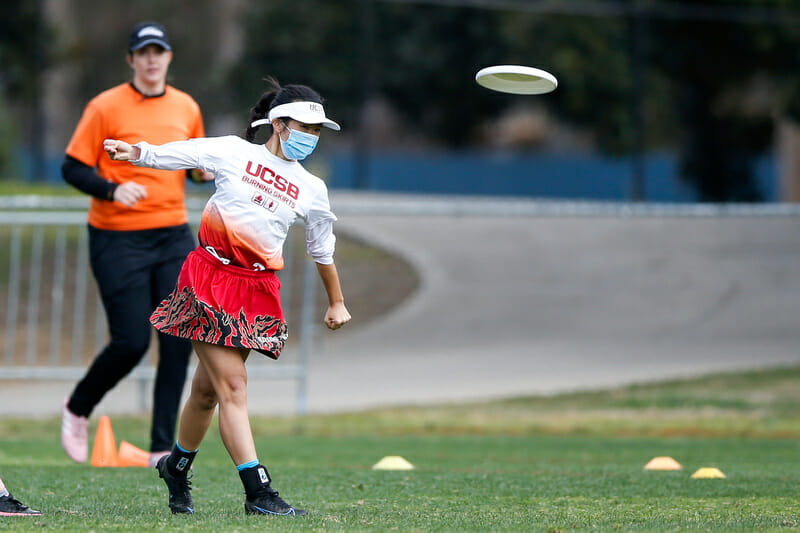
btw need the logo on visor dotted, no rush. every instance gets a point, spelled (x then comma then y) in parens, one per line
(316, 108)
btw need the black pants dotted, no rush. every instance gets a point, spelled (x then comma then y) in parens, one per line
(135, 270)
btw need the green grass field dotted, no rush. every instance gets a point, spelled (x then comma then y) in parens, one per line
(564, 463)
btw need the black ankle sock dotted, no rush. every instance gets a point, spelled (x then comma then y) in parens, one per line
(254, 479)
(180, 461)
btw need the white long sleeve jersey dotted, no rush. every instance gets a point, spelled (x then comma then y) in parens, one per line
(258, 197)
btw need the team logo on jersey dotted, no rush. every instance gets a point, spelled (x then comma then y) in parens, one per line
(267, 203)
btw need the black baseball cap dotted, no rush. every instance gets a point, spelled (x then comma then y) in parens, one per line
(146, 33)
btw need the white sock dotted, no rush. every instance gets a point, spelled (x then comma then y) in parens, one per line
(3, 493)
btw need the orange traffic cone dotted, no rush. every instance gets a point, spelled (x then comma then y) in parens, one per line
(130, 455)
(104, 452)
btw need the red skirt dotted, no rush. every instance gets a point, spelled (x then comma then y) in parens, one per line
(225, 305)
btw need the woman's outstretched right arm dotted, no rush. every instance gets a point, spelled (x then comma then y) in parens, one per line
(177, 155)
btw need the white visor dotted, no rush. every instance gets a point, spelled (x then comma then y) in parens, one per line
(305, 112)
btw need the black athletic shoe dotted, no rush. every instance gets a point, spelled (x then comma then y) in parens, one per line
(180, 497)
(267, 501)
(10, 506)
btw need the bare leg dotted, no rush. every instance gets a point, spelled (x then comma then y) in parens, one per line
(224, 368)
(198, 411)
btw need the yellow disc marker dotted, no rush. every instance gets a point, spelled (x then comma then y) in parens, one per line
(708, 473)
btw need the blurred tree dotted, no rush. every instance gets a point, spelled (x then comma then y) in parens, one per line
(98, 48)
(710, 70)
(420, 58)
(592, 61)
(8, 141)
(427, 58)
(18, 39)
(714, 65)
(701, 91)
(283, 41)
(20, 65)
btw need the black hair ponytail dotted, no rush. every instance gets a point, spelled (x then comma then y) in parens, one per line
(262, 107)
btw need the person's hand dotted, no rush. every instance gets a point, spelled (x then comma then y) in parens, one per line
(201, 176)
(120, 150)
(337, 316)
(129, 193)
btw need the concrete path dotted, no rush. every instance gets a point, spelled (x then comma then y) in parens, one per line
(513, 306)
(540, 304)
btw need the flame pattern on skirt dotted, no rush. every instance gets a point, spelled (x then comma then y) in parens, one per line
(183, 315)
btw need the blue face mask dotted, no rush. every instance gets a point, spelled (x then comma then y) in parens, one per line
(299, 145)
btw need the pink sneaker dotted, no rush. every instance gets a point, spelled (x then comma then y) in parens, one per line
(155, 456)
(74, 435)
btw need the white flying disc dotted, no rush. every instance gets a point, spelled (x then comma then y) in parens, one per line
(516, 79)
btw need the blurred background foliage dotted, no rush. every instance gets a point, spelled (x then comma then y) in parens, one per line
(706, 79)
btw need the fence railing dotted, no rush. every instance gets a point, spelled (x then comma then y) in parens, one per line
(53, 319)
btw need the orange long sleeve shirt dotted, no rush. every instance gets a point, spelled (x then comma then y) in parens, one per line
(124, 113)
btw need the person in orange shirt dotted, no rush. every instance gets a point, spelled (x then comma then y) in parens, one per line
(138, 234)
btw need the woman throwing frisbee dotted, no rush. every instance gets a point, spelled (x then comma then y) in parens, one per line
(226, 300)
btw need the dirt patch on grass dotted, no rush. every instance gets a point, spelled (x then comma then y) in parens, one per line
(374, 281)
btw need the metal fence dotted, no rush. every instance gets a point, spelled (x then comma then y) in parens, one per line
(54, 322)
(53, 317)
